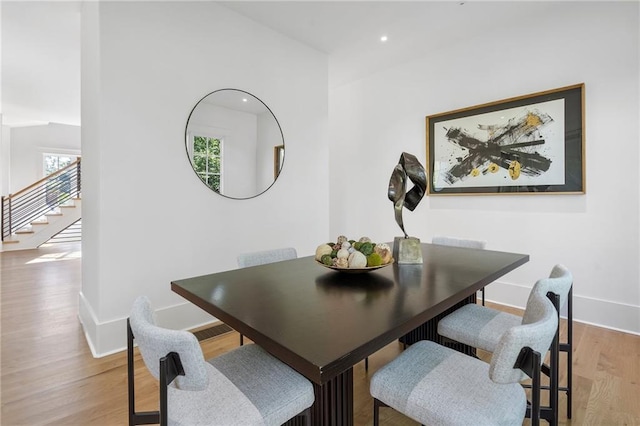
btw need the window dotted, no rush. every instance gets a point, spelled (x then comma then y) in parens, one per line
(58, 188)
(54, 162)
(207, 160)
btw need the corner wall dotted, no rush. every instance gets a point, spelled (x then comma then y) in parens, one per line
(374, 119)
(148, 219)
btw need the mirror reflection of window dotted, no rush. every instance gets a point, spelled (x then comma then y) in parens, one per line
(207, 161)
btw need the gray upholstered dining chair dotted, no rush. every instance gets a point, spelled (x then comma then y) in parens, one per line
(256, 258)
(481, 327)
(246, 386)
(436, 385)
(460, 242)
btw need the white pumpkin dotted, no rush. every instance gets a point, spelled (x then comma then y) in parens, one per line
(357, 260)
(343, 254)
(322, 250)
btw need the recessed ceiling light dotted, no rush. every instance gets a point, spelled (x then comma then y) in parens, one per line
(383, 38)
(244, 99)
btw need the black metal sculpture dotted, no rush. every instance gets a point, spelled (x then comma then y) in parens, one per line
(408, 167)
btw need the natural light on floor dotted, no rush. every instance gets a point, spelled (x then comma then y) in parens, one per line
(55, 257)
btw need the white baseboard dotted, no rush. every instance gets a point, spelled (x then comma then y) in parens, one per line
(602, 313)
(108, 337)
(87, 319)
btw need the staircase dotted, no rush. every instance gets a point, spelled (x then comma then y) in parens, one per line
(72, 234)
(32, 216)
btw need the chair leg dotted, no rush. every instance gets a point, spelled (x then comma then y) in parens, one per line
(551, 413)
(144, 417)
(164, 411)
(376, 409)
(554, 364)
(569, 350)
(241, 340)
(566, 347)
(366, 364)
(482, 296)
(170, 368)
(529, 361)
(535, 393)
(130, 376)
(553, 380)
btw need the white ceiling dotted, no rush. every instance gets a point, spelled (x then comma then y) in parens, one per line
(40, 62)
(349, 31)
(41, 41)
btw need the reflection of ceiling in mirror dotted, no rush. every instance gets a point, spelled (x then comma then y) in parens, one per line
(233, 99)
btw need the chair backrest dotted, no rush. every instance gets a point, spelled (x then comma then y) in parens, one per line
(458, 242)
(537, 335)
(268, 256)
(155, 342)
(559, 282)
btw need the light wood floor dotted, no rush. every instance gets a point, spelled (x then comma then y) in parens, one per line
(48, 375)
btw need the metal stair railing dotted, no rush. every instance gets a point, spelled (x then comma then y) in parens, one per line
(37, 199)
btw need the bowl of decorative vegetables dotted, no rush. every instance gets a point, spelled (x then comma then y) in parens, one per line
(362, 255)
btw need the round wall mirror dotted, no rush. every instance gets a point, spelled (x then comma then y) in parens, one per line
(234, 143)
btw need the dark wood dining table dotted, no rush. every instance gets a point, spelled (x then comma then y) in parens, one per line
(322, 322)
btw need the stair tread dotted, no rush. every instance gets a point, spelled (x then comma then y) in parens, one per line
(25, 231)
(10, 241)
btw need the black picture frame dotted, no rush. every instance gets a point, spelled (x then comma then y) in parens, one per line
(531, 144)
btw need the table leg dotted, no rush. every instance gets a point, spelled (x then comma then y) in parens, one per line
(429, 330)
(334, 402)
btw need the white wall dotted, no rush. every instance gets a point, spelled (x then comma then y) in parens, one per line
(27, 146)
(5, 159)
(147, 219)
(374, 119)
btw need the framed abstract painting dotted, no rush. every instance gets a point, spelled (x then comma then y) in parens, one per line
(532, 144)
